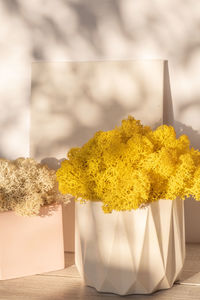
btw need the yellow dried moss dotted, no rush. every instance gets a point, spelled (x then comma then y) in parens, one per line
(131, 166)
(26, 186)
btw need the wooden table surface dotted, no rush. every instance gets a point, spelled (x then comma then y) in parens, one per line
(66, 284)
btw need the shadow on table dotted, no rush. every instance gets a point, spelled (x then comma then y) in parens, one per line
(191, 269)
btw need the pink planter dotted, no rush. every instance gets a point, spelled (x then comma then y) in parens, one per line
(31, 245)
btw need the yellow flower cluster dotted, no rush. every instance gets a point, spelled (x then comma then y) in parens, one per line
(131, 166)
(26, 186)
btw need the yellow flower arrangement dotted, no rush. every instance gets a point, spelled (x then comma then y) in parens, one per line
(131, 166)
(26, 186)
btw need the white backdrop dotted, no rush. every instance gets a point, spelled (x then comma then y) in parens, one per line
(55, 30)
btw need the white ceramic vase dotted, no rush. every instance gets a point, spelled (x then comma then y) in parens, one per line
(136, 252)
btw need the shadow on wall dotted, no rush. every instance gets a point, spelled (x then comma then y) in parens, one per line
(71, 101)
(193, 135)
(85, 25)
(168, 113)
(97, 27)
(52, 162)
(105, 29)
(192, 213)
(192, 207)
(2, 155)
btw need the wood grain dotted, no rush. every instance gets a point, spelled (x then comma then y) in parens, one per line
(67, 284)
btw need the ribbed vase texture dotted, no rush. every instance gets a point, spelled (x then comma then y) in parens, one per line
(132, 252)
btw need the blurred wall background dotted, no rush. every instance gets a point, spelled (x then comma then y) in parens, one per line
(55, 30)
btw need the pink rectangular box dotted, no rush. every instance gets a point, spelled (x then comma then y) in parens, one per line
(31, 245)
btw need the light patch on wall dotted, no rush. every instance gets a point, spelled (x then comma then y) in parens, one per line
(14, 141)
(88, 113)
(14, 116)
(70, 101)
(192, 112)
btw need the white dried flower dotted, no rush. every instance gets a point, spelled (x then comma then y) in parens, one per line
(26, 186)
